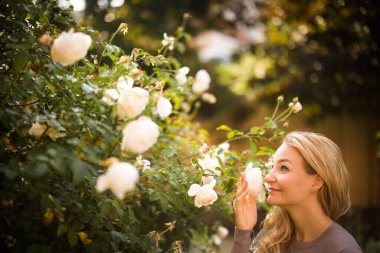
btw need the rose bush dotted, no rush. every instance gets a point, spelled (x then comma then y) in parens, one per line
(105, 119)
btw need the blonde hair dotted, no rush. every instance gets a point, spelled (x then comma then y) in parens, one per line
(323, 157)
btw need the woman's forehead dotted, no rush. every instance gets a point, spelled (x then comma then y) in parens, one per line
(286, 152)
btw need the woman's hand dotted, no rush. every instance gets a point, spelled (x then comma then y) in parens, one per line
(245, 206)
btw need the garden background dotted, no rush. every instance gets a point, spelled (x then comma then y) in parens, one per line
(255, 54)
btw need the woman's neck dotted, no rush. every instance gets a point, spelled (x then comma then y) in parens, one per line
(310, 221)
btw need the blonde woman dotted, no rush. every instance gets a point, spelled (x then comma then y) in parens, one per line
(308, 188)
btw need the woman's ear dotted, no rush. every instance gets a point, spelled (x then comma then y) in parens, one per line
(317, 183)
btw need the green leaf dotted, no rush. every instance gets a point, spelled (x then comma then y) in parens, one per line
(72, 237)
(62, 228)
(230, 134)
(37, 169)
(20, 62)
(110, 49)
(223, 127)
(38, 248)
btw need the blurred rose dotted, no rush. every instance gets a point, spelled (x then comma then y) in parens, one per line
(207, 179)
(120, 177)
(297, 107)
(45, 39)
(209, 164)
(254, 178)
(216, 239)
(222, 150)
(110, 96)
(222, 232)
(204, 195)
(181, 75)
(144, 164)
(124, 83)
(168, 41)
(37, 129)
(164, 107)
(140, 135)
(132, 102)
(70, 47)
(202, 81)
(209, 98)
(54, 134)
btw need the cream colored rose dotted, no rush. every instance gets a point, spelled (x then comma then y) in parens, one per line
(120, 177)
(70, 47)
(110, 96)
(37, 129)
(181, 75)
(124, 83)
(164, 107)
(222, 232)
(254, 178)
(209, 164)
(132, 102)
(140, 135)
(204, 195)
(168, 41)
(209, 98)
(202, 82)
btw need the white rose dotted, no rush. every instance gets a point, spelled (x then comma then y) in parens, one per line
(209, 164)
(207, 179)
(168, 41)
(164, 107)
(110, 96)
(216, 239)
(37, 129)
(297, 107)
(209, 98)
(132, 102)
(222, 149)
(120, 177)
(222, 232)
(202, 82)
(70, 47)
(181, 75)
(142, 163)
(140, 135)
(204, 195)
(254, 178)
(124, 83)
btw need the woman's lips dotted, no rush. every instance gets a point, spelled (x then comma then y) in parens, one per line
(271, 189)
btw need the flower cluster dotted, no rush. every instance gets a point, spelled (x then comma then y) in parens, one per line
(209, 165)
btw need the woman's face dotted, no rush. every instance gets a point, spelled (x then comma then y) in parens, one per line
(288, 183)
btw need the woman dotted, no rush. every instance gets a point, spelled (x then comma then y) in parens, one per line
(308, 188)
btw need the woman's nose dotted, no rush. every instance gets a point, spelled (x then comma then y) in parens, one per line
(270, 177)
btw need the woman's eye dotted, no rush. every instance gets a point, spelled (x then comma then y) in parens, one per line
(284, 168)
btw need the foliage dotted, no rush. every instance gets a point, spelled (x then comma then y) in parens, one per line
(324, 51)
(49, 202)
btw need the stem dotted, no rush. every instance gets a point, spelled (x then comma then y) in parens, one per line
(109, 42)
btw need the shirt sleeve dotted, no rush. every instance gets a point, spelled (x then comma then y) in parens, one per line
(351, 249)
(242, 241)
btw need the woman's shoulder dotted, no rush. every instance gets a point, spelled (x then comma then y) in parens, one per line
(338, 232)
(340, 239)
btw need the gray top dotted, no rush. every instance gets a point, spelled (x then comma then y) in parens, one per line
(334, 240)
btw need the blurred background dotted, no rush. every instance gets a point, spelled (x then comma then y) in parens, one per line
(325, 52)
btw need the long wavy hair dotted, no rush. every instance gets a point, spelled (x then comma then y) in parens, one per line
(323, 157)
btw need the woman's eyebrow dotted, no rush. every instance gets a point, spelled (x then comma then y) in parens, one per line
(284, 160)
